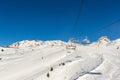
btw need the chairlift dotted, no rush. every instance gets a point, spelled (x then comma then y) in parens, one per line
(70, 45)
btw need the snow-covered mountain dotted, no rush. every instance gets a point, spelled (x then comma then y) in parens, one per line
(103, 40)
(36, 43)
(51, 60)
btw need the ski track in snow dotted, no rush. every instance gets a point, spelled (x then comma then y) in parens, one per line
(86, 62)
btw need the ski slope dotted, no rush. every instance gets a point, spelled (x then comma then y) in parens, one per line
(50, 60)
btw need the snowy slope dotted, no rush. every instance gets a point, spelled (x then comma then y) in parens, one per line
(50, 60)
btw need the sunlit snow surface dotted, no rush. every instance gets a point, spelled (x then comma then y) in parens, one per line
(52, 61)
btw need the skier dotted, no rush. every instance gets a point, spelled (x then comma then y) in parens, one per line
(118, 47)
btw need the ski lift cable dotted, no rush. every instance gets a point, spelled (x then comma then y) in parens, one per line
(104, 27)
(77, 17)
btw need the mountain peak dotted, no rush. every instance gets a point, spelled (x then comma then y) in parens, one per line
(27, 43)
(103, 39)
(36, 43)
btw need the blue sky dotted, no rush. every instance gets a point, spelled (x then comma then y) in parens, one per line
(54, 19)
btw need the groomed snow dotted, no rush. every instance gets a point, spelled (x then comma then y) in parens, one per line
(50, 60)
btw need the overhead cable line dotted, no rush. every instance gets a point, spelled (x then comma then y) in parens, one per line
(104, 27)
(77, 17)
